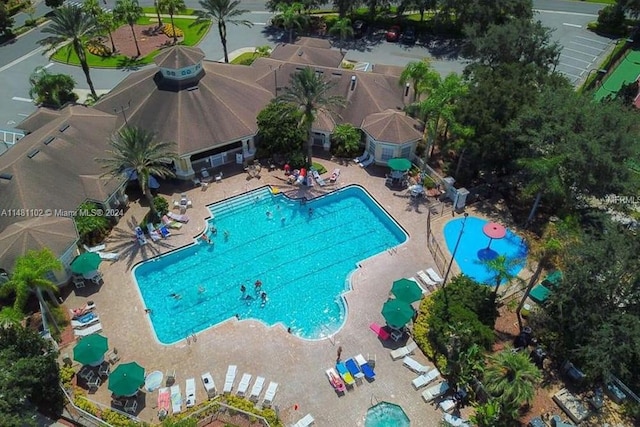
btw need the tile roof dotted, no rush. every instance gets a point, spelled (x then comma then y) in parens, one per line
(307, 55)
(392, 126)
(179, 57)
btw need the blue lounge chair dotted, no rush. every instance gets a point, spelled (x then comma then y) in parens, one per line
(367, 370)
(353, 368)
(345, 374)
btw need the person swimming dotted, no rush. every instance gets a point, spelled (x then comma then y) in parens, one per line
(310, 211)
(206, 238)
(258, 285)
(226, 235)
(201, 289)
(175, 296)
(213, 230)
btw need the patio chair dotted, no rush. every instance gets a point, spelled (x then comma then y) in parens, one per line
(414, 365)
(104, 369)
(425, 379)
(153, 233)
(209, 385)
(97, 248)
(169, 223)
(170, 377)
(93, 384)
(78, 282)
(88, 331)
(401, 352)
(164, 399)
(306, 421)
(345, 374)
(254, 396)
(180, 218)
(379, 330)
(204, 173)
(428, 281)
(86, 320)
(436, 391)
(230, 378)
(176, 399)
(318, 178)
(334, 175)
(190, 392)
(367, 162)
(142, 240)
(335, 381)
(109, 256)
(86, 373)
(434, 275)
(112, 356)
(218, 177)
(354, 370)
(366, 368)
(270, 394)
(454, 421)
(362, 158)
(244, 384)
(131, 405)
(447, 405)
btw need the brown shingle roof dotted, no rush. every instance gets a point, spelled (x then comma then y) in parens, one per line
(313, 42)
(307, 55)
(391, 126)
(55, 233)
(63, 173)
(179, 57)
(38, 119)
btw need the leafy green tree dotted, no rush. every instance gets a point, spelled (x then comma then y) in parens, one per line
(71, 24)
(30, 379)
(172, 7)
(222, 12)
(420, 5)
(10, 316)
(422, 77)
(611, 17)
(53, 4)
(279, 130)
(51, 90)
(309, 92)
(6, 21)
(135, 149)
(343, 29)
(502, 270)
(342, 7)
(345, 140)
(91, 227)
(263, 51)
(291, 17)
(465, 13)
(91, 8)
(487, 414)
(511, 378)
(129, 11)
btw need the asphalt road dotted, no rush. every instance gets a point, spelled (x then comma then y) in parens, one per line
(582, 49)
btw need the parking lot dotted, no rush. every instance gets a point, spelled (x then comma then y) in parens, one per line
(581, 54)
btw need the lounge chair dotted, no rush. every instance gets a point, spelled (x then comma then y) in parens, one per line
(153, 233)
(414, 365)
(353, 368)
(422, 288)
(131, 405)
(109, 256)
(335, 381)
(256, 389)
(362, 158)
(206, 177)
(270, 394)
(190, 392)
(434, 275)
(366, 368)
(209, 385)
(401, 352)
(164, 231)
(318, 178)
(169, 223)
(97, 248)
(88, 331)
(164, 399)
(367, 162)
(428, 281)
(447, 405)
(454, 421)
(425, 379)
(436, 391)
(244, 384)
(379, 330)
(344, 373)
(86, 320)
(176, 399)
(180, 218)
(81, 311)
(305, 421)
(334, 175)
(218, 177)
(142, 240)
(230, 378)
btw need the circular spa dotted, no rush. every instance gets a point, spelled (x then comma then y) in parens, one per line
(300, 253)
(386, 414)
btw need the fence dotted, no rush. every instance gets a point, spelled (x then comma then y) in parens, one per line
(432, 244)
(228, 415)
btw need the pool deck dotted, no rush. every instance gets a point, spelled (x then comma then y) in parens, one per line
(297, 365)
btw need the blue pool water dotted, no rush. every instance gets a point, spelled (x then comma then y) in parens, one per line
(302, 260)
(474, 241)
(386, 414)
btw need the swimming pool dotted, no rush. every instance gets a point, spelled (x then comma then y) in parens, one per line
(474, 241)
(303, 260)
(386, 414)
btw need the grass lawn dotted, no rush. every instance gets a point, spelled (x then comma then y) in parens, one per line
(246, 58)
(151, 9)
(192, 36)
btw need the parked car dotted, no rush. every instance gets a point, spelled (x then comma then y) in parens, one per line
(409, 36)
(359, 28)
(393, 34)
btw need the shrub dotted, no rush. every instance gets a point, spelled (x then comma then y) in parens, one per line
(169, 31)
(161, 204)
(345, 140)
(96, 47)
(117, 420)
(319, 167)
(66, 376)
(348, 65)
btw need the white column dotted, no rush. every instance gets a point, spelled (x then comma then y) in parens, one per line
(184, 170)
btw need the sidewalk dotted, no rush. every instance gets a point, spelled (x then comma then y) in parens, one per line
(20, 18)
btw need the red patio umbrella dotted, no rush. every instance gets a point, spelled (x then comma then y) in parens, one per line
(493, 230)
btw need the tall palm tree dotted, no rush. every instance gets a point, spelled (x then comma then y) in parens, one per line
(136, 150)
(222, 12)
(172, 7)
(291, 16)
(421, 76)
(512, 379)
(128, 11)
(156, 5)
(108, 23)
(501, 268)
(71, 24)
(309, 92)
(342, 28)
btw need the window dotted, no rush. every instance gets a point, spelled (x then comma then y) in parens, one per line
(406, 152)
(372, 148)
(387, 152)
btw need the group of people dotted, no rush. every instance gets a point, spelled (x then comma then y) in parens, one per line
(214, 232)
(258, 290)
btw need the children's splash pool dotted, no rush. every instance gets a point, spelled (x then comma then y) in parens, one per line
(302, 253)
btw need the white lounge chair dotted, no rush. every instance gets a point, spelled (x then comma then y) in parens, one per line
(414, 365)
(270, 394)
(447, 405)
(334, 175)
(190, 392)
(88, 331)
(426, 378)
(424, 278)
(244, 384)
(180, 218)
(305, 421)
(454, 421)
(230, 378)
(142, 240)
(97, 248)
(209, 385)
(434, 275)
(367, 162)
(176, 399)
(85, 321)
(401, 352)
(153, 233)
(256, 389)
(436, 391)
(109, 256)
(362, 158)
(318, 178)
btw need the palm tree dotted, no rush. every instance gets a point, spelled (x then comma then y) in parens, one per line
(172, 7)
(309, 92)
(156, 5)
(51, 90)
(501, 268)
(421, 76)
(71, 24)
(128, 11)
(291, 17)
(135, 150)
(10, 316)
(342, 27)
(107, 23)
(511, 378)
(222, 12)
(91, 8)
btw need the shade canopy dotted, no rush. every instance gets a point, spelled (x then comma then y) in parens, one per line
(126, 379)
(406, 290)
(90, 349)
(493, 230)
(397, 313)
(85, 263)
(399, 164)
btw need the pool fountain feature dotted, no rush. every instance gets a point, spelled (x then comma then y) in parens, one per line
(386, 414)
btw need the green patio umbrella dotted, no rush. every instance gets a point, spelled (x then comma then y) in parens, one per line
(399, 164)
(126, 379)
(90, 349)
(406, 290)
(397, 313)
(85, 263)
